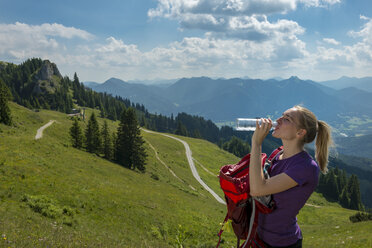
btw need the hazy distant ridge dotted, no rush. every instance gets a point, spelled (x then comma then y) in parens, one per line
(227, 99)
(345, 82)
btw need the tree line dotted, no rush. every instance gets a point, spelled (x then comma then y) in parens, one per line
(21, 81)
(337, 186)
(125, 146)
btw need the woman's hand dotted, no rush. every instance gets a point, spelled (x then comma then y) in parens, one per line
(261, 131)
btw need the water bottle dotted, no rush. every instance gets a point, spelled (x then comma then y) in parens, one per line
(249, 124)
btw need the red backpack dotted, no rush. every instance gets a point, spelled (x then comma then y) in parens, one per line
(242, 208)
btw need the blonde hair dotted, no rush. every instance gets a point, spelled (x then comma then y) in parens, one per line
(315, 129)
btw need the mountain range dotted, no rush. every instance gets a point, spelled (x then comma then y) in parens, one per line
(346, 82)
(360, 146)
(224, 100)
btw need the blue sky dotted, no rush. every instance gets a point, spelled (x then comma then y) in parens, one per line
(163, 39)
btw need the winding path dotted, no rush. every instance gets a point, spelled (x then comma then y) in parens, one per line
(192, 165)
(39, 133)
(165, 165)
(203, 167)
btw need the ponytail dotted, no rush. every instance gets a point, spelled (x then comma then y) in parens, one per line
(322, 143)
(315, 129)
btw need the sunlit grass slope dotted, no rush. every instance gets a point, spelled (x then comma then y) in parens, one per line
(52, 195)
(326, 224)
(89, 201)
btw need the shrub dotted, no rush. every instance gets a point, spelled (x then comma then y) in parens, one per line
(48, 208)
(360, 216)
(154, 176)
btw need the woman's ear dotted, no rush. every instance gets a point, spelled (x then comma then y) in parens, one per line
(301, 133)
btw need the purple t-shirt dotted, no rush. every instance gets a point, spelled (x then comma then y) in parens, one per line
(280, 228)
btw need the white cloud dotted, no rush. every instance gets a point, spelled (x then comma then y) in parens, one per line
(351, 60)
(319, 3)
(176, 8)
(231, 18)
(117, 53)
(20, 41)
(258, 28)
(46, 29)
(366, 32)
(331, 41)
(204, 21)
(279, 53)
(364, 17)
(238, 19)
(246, 19)
(194, 56)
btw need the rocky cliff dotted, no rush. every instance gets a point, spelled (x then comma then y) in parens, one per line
(48, 78)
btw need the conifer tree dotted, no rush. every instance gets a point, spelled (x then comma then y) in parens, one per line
(332, 190)
(335, 182)
(344, 199)
(129, 150)
(93, 136)
(355, 198)
(5, 96)
(143, 121)
(114, 142)
(122, 153)
(76, 134)
(107, 143)
(181, 129)
(336, 171)
(322, 183)
(103, 112)
(76, 80)
(343, 180)
(196, 134)
(36, 103)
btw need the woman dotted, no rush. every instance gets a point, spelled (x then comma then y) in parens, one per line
(294, 174)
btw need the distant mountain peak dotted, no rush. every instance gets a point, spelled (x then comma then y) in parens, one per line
(114, 78)
(294, 78)
(363, 83)
(115, 81)
(345, 77)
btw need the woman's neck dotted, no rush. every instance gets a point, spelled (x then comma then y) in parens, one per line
(290, 149)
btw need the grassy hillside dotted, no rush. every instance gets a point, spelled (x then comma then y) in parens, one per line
(52, 195)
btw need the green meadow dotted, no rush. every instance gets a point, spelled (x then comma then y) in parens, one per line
(53, 195)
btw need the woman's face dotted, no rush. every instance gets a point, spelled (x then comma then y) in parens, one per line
(287, 127)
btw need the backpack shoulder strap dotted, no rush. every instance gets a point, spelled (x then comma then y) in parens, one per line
(221, 231)
(268, 164)
(275, 153)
